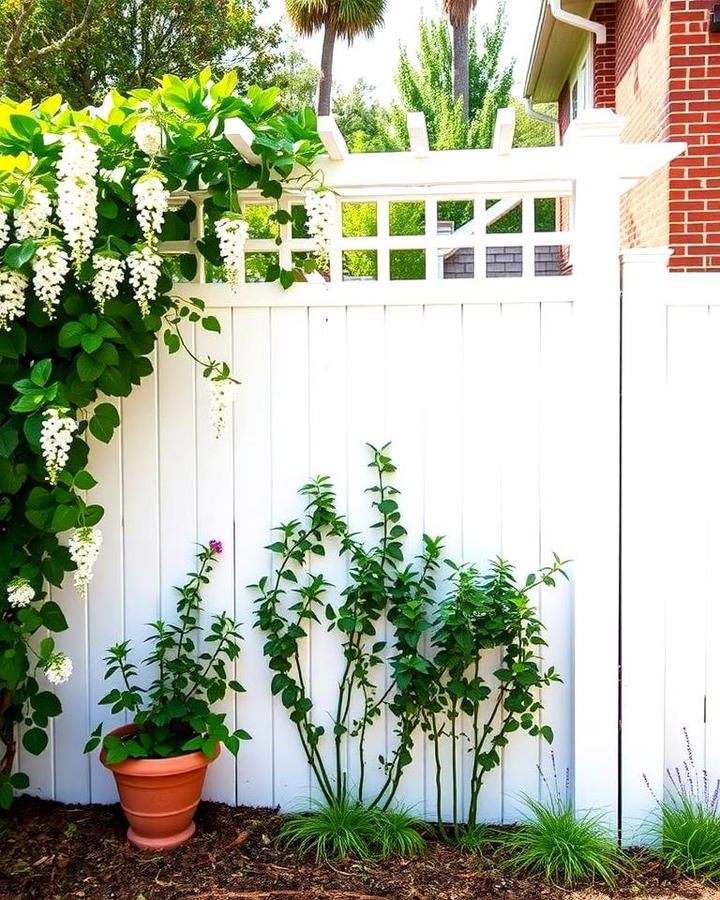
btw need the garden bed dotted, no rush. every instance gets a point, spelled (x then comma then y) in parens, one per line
(56, 851)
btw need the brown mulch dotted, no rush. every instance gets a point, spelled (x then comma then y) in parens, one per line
(63, 852)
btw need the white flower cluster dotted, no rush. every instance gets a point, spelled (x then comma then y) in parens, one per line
(4, 228)
(320, 208)
(58, 668)
(144, 272)
(77, 193)
(232, 233)
(151, 200)
(20, 593)
(33, 217)
(50, 266)
(12, 297)
(222, 391)
(56, 436)
(84, 547)
(148, 137)
(109, 271)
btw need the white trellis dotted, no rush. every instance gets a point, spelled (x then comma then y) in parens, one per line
(500, 396)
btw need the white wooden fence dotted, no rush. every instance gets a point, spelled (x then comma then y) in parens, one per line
(500, 397)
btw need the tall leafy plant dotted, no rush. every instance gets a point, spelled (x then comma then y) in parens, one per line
(84, 296)
(379, 584)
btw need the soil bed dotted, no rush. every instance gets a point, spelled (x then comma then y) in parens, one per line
(55, 851)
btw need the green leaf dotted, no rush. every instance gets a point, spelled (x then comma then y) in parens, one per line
(88, 369)
(90, 342)
(210, 323)
(20, 781)
(40, 372)
(71, 334)
(17, 255)
(8, 440)
(52, 617)
(64, 518)
(35, 741)
(46, 703)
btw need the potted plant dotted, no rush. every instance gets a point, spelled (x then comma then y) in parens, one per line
(159, 759)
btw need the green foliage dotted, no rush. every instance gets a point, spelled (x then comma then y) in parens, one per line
(686, 824)
(82, 358)
(348, 18)
(347, 829)
(174, 713)
(358, 115)
(564, 847)
(428, 87)
(127, 44)
(427, 691)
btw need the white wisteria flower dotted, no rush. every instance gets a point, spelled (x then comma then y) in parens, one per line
(50, 267)
(58, 668)
(108, 276)
(33, 217)
(20, 593)
(151, 199)
(12, 297)
(77, 193)
(320, 208)
(4, 228)
(84, 547)
(56, 436)
(232, 233)
(222, 392)
(144, 273)
(148, 136)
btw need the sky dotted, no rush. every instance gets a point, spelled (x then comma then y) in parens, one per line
(375, 60)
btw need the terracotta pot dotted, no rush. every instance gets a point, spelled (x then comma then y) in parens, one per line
(159, 796)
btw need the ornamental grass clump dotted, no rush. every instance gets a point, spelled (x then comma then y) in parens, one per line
(350, 830)
(686, 825)
(173, 714)
(563, 846)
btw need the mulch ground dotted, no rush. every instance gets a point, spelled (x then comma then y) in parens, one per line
(62, 852)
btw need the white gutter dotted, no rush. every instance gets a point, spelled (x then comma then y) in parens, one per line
(562, 15)
(536, 114)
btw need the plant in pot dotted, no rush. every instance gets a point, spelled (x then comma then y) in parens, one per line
(160, 757)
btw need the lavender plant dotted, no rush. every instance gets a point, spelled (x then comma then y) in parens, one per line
(686, 825)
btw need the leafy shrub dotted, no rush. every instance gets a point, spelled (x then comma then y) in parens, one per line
(348, 829)
(173, 714)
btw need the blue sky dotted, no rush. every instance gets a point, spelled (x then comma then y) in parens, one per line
(375, 60)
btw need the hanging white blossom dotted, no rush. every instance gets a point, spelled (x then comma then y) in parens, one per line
(4, 228)
(232, 233)
(222, 391)
(20, 593)
(144, 272)
(84, 547)
(58, 668)
(77, 193)
(148, 137)
(33, 217)
(151, 200)
(50, 266)
(109, 272)
(320, 208)
(56, 436)
(12, 297)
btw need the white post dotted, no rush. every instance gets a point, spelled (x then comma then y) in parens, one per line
(595, 138)
(645, 295)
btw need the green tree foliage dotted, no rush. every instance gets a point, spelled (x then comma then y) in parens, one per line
(346, 19)
(297, 78)
(82, 48)
(359, 117)
(428, 87)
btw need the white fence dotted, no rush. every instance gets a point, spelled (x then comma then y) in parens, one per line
(500, 397)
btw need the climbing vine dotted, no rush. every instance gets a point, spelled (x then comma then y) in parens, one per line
(84, 295)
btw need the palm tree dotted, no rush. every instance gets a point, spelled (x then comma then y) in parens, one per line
(339, 19)
(458, 11)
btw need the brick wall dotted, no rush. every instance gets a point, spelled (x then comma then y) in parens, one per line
(643, 73)
(604, 57)
(694, 101)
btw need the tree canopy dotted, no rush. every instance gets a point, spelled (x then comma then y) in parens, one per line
(82, 48)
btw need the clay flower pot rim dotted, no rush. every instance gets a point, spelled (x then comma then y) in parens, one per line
(170, 765)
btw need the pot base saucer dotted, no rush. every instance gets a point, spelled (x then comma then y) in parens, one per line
(161, 843)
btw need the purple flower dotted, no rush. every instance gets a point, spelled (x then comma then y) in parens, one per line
(216, 547)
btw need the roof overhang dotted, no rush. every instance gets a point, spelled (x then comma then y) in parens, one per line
(556, 51)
